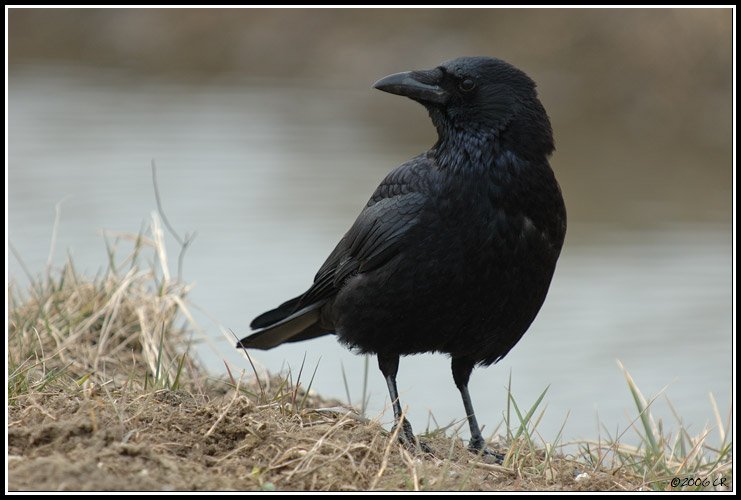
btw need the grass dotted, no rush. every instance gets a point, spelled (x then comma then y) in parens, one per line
(104, 394)
(66, 329)
(665, 455)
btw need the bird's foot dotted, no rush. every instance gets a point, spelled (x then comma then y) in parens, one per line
(486, 454)
(409, 440)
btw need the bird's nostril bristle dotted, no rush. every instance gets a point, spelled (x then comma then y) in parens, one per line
(428, 77)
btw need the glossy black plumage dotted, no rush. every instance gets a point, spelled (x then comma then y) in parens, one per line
(455, 250)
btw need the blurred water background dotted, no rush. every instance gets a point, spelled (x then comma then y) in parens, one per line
(269, 140)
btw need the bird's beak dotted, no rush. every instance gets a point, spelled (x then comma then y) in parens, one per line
(421, 86)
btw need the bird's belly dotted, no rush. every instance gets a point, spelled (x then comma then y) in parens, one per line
(468, 296)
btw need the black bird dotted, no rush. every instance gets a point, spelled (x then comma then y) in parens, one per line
(456, 248)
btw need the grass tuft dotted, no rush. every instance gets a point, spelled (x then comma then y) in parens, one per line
(67, 330)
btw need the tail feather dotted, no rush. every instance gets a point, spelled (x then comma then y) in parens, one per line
(314, 331)
(301, 325)
(274, 315)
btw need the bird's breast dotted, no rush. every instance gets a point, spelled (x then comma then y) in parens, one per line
(505, 216)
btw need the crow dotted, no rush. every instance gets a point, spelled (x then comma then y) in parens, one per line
(456, 248)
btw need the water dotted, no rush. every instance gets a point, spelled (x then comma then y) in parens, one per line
(271, 174)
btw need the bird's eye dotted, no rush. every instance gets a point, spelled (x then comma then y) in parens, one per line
(467, 85)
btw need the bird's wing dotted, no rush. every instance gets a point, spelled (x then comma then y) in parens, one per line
(378, 232)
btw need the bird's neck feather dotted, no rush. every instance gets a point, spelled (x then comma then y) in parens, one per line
(457, 150)
(525, 137)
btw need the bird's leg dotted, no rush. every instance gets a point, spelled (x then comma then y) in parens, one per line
(389, 365)
(462, 368)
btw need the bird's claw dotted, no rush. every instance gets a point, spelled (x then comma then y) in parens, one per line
(486, 454)
(409, 440)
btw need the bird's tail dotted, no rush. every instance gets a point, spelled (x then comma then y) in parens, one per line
(285, 324)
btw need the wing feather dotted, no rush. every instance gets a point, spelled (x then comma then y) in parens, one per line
(377, 234)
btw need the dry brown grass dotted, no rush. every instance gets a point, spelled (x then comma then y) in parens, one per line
(116, 329)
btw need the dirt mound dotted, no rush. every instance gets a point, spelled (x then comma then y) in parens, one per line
(172, 440)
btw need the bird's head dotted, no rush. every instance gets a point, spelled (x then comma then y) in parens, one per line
(479, 95)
